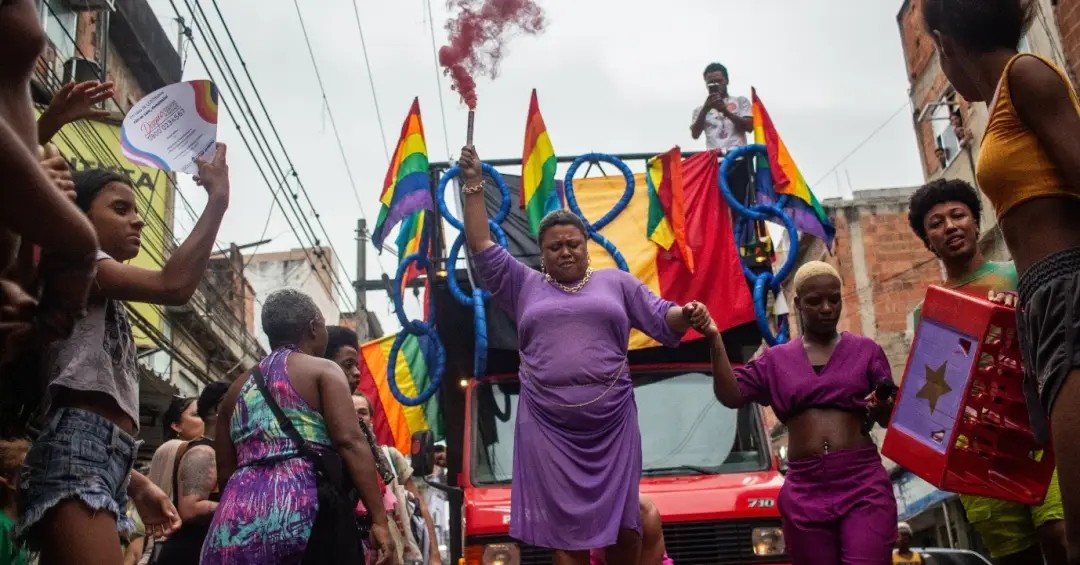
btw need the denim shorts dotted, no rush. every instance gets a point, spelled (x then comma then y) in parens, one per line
(79, 455)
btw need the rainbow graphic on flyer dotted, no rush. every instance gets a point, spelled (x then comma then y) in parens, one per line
(206, 100)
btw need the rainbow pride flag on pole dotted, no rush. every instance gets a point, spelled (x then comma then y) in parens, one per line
(407, 188)
(393, 423)
(538, 193)
(809, 215)
(667, 208)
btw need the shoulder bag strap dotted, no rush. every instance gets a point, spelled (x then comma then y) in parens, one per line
(180, 451)
(283, 420)
(390, 462)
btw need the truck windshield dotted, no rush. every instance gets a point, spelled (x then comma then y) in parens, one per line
(684, 430)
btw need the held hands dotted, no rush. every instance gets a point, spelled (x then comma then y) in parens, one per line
(213, 175)
(472, 170)
(700, 320)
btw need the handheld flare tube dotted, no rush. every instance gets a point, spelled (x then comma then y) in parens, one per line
(469, 129)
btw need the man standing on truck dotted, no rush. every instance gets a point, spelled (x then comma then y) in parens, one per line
(945, 215)
(725, 120)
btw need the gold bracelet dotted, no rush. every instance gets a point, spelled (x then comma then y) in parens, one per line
(473, 188)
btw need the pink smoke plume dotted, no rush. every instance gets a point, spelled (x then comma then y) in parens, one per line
(478, 36)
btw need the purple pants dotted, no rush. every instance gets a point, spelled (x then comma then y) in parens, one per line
(839, 509)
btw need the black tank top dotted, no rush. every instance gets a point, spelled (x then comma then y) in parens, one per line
(185, 545)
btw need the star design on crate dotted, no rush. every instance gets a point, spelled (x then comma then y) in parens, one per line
(935, 386)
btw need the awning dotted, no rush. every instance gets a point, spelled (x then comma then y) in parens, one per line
(914, 495)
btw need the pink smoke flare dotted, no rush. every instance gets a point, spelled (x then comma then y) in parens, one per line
(478, 37)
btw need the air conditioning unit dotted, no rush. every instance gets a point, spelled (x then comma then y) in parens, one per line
(88, 5)
(80, 70)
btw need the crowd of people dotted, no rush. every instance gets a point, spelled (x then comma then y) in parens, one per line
(281, 464)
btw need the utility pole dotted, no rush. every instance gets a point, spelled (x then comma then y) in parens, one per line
(362, 328)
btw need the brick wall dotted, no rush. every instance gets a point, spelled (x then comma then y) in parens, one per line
(1068, 20)
(918, 45)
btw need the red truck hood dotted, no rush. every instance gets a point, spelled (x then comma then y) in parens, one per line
(680, 499)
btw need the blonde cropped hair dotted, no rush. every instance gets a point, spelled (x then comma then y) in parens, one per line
(814, 269)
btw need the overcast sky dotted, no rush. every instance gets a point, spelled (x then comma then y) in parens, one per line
(613, 76)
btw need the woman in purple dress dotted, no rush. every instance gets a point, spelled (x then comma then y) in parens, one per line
(837, 503)
(577, 447)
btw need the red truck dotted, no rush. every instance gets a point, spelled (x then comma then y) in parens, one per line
(709, 469)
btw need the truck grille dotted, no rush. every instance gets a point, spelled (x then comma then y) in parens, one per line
(714, 543)
(688, 543)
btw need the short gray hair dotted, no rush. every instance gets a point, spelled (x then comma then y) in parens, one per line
(559, 217)
(286, 315)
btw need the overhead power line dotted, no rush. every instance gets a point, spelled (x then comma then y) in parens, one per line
(371, 81)
(299, 221)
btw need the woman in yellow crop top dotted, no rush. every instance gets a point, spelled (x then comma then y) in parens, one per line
(1029, 169)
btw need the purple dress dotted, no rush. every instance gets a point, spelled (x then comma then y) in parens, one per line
(838, 507)
(577, 446)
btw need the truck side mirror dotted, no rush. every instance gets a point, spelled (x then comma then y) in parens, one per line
(781, 454)
(422, 453)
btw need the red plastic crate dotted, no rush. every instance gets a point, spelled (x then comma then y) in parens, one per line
(960, 420)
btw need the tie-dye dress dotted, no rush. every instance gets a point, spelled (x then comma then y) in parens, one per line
(268, 507)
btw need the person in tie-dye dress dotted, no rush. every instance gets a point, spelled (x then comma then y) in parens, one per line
(269, 499)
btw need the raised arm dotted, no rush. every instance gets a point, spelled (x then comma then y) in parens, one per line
(174, 284)
(477, 234)
(352, 446)
(197, 480)
(725, 386)
(73, 102)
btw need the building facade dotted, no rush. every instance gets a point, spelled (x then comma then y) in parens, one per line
(272, 271)
(179, 349)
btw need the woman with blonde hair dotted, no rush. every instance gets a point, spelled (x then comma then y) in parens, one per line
(829, 388)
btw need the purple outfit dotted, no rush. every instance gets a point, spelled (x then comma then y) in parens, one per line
(838, 507)
(577, 446)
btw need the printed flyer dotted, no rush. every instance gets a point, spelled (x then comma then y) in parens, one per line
(172, 127)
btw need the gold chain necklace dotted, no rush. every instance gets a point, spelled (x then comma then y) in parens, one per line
(570, 289)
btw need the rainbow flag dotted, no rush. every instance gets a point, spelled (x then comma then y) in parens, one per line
(809, 215)
(407, 188)
(667, 204)
(411, 239)
(538, 164)
(395, 423)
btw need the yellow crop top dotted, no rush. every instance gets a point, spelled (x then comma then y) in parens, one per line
(1013, 166)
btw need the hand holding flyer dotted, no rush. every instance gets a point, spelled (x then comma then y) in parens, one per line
(173, 127)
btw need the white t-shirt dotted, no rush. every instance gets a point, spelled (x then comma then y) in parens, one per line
(720, 132)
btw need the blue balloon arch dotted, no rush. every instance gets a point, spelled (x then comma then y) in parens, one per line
(761, 283)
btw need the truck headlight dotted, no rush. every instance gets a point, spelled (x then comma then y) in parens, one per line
(492, 554)
(768, 542)
(501, 554)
